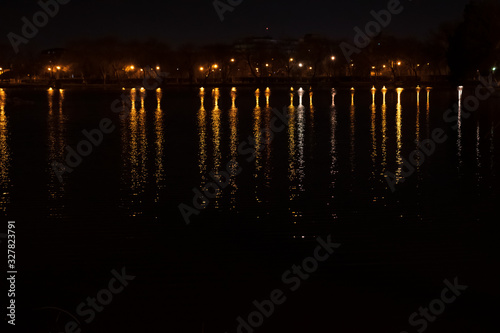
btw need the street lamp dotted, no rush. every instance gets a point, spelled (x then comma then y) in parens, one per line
(333, 58)
(301, 65)
(232, 59)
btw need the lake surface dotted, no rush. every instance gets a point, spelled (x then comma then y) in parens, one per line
(318, 170)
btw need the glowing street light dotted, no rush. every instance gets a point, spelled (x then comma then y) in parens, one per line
(58, 68)
(267, 65)
(201, 69)
(132, 67)
(49, 69)
(333, 58)
(301, 65)
(383, 66)
(399, 63)
(291, 59)
(157, 68)
(232, 59)
(215, 66)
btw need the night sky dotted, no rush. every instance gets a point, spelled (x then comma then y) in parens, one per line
(178, 22)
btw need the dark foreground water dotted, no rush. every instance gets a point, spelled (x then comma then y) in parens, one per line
(317, 171)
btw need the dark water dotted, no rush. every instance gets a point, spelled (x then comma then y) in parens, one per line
(319, 172)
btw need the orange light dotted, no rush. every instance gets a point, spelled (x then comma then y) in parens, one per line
(201, 69)
(333, 58)
(132, 67)
(232, 59)
(58, 67)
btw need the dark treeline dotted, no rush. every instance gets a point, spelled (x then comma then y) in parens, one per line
(458, 51)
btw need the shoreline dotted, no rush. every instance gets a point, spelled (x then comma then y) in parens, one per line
(295, 84)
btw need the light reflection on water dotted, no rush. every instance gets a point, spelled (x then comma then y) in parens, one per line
(333, 156)
(233, 124)
(399, 143)
(459, 137)
(159, 147)
(216, 140)
(5, 156)
(349, 144)
(268, 150)
(373, 130)
(292, 168)
(134, 155)
(202, 134)
(56, 143)
(257, 135)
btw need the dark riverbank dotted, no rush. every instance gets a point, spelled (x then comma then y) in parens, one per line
(323, 85)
